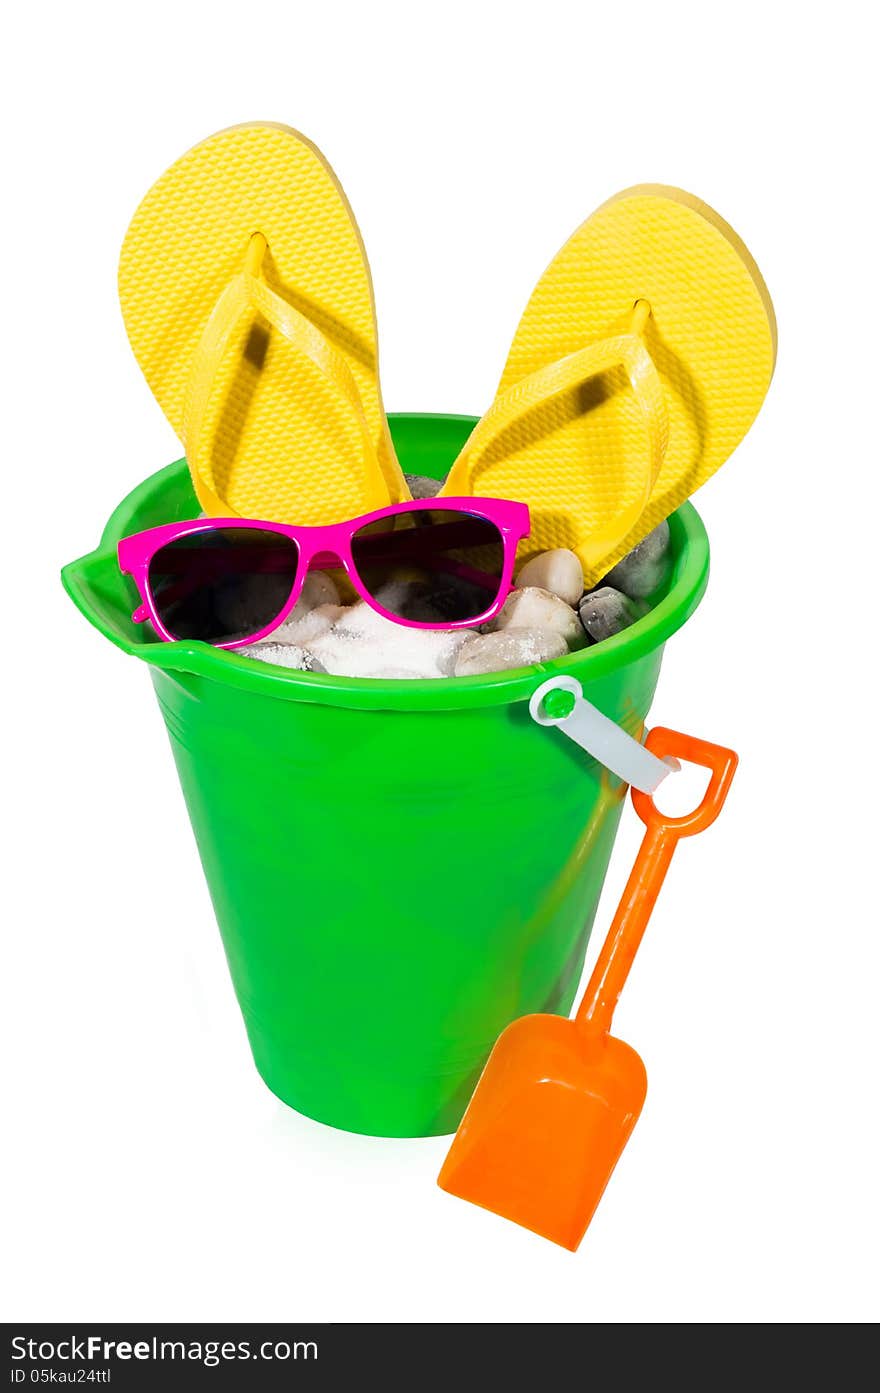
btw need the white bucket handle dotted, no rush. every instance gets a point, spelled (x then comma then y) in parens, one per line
(601, 737)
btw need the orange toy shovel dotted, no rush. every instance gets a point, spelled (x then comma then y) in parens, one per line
(559, 1098)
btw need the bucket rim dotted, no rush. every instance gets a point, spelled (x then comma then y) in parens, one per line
(687, 587)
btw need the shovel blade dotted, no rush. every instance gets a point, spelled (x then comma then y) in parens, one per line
(546, 1126)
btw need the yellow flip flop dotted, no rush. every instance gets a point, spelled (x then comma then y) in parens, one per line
(639, 364)
(248, 302)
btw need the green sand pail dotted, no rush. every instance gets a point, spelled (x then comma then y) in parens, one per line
(398, 868)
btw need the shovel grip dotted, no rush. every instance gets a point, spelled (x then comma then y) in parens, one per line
(717, 758)
(661, 838)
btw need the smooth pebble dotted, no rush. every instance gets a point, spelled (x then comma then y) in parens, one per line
(420, 486)
(364, 644)
(606, 611)
(534, 608)
(508, 648)
(558, 571)
(283, 655)
(304, 628)
(318, 589)
(642, 570)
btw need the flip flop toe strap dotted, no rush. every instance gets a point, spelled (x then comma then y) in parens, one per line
(248, 293)
(624, 350)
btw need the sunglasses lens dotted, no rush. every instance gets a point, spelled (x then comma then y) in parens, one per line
(431, 564)
(224, 583)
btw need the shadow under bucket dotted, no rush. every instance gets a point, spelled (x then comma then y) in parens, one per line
(398, 868)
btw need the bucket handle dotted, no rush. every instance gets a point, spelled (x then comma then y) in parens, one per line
(601, 737)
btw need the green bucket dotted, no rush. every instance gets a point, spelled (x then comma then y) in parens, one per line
(398, 868)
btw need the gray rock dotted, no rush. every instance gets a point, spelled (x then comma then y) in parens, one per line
(607, 611)
(533, 608)
(455, 598)
(420, 486)
(646, 567)
(508, 648)
(558, 571)
(409, 599)
(442, 599)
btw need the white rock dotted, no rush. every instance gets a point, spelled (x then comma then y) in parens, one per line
(508, 648)
(447, 653)
(303, 629)
(282, 655)
(558, 571)
(534, 608)
(318, 589)
(360, 620)
(364, 644)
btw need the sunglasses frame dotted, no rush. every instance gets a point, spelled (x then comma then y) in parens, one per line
(135, 553)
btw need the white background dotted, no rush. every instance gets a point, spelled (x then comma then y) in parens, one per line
(148, 1173)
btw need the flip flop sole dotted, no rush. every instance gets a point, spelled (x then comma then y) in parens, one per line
(282, 445)
(711, 335)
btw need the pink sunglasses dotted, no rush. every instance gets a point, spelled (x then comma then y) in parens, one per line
(232, 581)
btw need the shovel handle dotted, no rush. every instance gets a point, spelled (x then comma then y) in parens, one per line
(652, 862)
